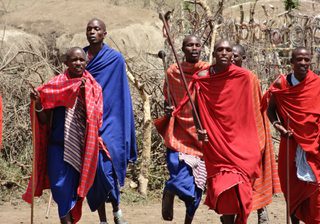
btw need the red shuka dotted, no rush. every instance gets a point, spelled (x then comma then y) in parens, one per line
(268, 183)
(300, 104)
(179, 132)
(232, 155)
(63, 91)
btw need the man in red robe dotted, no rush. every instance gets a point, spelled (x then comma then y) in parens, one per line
(268, 182)
(184, 151)
(225, 98)
(294, 110)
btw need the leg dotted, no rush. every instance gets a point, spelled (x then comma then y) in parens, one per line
(117, 213)
(192, 205)
(263, 216)
(167, 205)
(294, 219)
(115, 206)
(102, 213)
(228, 219)
(66, 220)
(188, 219)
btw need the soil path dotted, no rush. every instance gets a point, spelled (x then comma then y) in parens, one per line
(135, 213)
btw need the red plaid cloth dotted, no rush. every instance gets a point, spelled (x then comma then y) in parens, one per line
(268, 183)
(181, 132)
(63, 91)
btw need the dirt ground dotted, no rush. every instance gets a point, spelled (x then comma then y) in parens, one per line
(135, 213)
(67, 18)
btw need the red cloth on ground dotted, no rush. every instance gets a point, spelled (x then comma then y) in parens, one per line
(301, 105)
(232, 155)
(63, 91)
(268, 183)
(179, 132)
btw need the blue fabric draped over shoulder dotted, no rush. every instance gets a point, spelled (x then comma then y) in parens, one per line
(118, 129)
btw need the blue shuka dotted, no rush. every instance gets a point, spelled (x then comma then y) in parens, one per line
(64, 178)
(118, 130)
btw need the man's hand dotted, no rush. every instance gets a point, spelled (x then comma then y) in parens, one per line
(283, 130)
(35, 96)
(202, 135)
(168, 110)
(83, 82)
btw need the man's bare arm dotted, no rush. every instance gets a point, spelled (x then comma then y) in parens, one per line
(273, 117)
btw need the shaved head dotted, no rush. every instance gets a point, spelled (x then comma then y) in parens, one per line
(239, 48)
(188, 38)
(73, 49)
(100, 22)
(219, 42)
(298, 50)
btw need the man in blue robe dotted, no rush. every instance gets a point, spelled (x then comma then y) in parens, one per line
(108, 67)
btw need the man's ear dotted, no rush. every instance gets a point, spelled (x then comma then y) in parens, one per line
(105, 33)
(182, 49)
(291, 60)
(64, 59)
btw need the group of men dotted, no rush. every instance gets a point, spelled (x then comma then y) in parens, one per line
(240, 169)
(84, 134)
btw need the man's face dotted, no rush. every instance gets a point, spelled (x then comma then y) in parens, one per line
(76, 62)
(95, 32)
(301, 61)
(223, 54)
(237, 57)
(192, 49)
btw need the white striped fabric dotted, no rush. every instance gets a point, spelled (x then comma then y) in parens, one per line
(74, 134)
(198, 168)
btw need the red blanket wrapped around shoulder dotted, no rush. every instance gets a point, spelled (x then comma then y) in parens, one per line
(179, 132)
(63, 91)
(225, 103)
(300, 104)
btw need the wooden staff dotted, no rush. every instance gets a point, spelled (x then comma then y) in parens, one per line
(288, 173)
(33, 161)
(33, 156)
(196, 115)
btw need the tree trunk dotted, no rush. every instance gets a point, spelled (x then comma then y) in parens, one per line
(146, 139)
(146, 151)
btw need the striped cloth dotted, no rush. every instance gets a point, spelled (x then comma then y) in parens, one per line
(198, 169)
(74, 133)
(181, 133)
(268, 183)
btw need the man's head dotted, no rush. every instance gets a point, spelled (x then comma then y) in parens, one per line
(191, 47)
(239, 54)
(76, 61)
(96, 31)
(223, 54)
(300, 60)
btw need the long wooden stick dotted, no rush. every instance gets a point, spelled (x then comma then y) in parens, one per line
(197, 119)
(288, 173)
(33, 161)
(49, 206)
